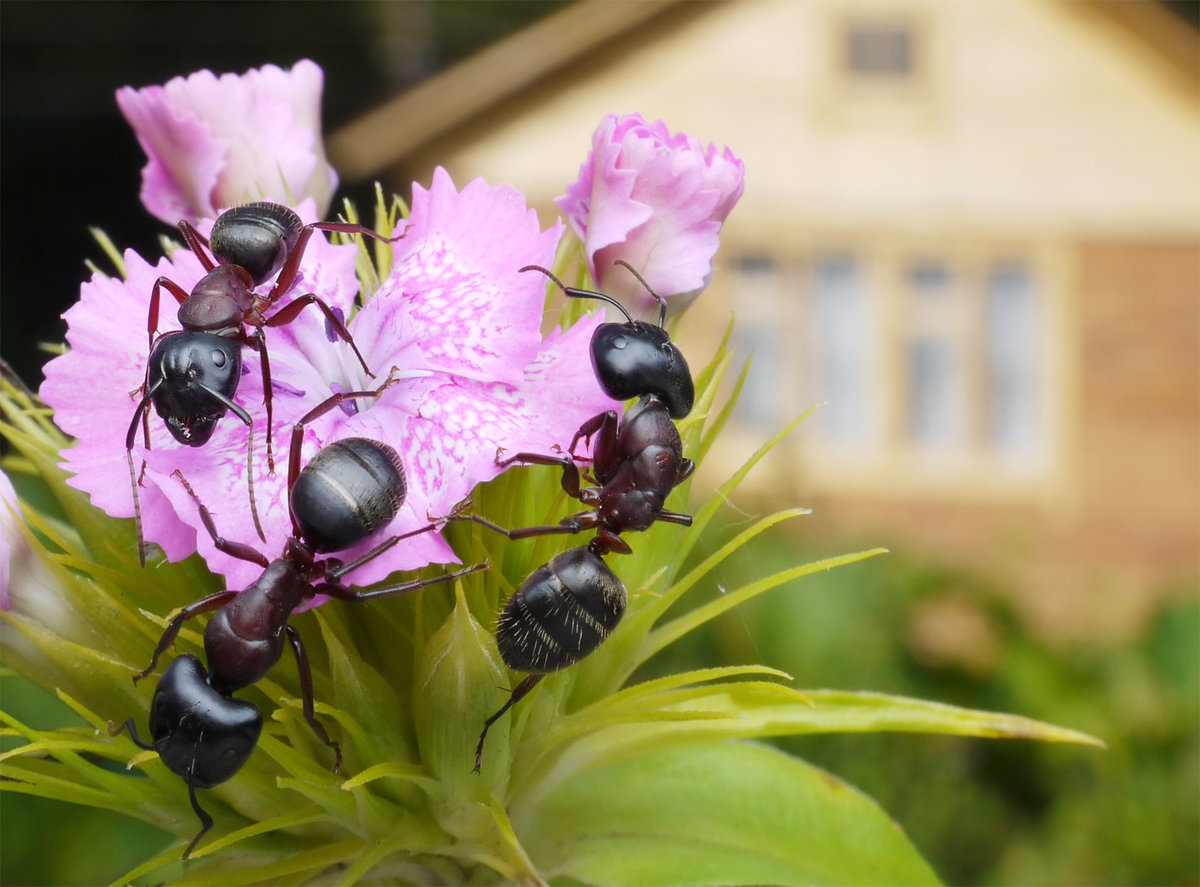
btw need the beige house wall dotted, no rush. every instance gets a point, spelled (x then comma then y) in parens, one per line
(1042, 132)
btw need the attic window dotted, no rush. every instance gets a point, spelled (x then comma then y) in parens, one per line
(883, 50)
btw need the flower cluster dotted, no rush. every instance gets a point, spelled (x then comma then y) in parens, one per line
(595, 756)
(454, 322)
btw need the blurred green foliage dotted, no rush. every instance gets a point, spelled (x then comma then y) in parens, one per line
(982, 811)
(45, 842)
(990, 812)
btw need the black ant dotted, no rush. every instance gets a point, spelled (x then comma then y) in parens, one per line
(566, 609)
(350, 489)
(192, 374)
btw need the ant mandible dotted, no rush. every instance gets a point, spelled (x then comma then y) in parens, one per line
(349, 490)
(192, 374)
(565, 609)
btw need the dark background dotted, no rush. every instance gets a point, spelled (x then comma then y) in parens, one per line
(69, 161)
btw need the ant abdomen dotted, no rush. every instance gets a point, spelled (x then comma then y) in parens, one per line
(346, 492)
(257, 236)
(561, 613)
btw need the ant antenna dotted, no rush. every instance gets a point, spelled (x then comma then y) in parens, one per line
(574, 293)
(137, 508)
(662, 311)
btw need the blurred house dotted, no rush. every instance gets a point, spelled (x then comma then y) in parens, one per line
(971, 231)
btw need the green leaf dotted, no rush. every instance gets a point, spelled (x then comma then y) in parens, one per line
(734, 813)
(622, 727)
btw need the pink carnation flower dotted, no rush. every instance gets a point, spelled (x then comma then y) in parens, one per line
(657, 201)
(454, 317)
(215, 142)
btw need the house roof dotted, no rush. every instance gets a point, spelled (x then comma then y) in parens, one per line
(419, 115)
(559, 43)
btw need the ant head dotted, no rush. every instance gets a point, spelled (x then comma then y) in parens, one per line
(257, 237)
(201, 736)
(193, 377)
(635, 359)
(347, 491)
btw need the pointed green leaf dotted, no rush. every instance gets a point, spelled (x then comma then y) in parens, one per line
(734, 813)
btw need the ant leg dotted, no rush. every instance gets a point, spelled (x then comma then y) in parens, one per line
(342, 593)
(518, 693)
(576, 523)
(606, 456)
(291, 267)
(118, 729)
(260, 345)
(335, 575)
(206, 821)
(306, 694)
(606, 423)
(240, 550)
(196, 242)
(352, 228)
(214, 601)
(292, 310)
(570, 479)
(175, 290)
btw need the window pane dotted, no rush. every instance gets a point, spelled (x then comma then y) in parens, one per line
(760, 403)
(879, 50)
(840, 308)
(936, 382)
(934, 409)
(1012, 340)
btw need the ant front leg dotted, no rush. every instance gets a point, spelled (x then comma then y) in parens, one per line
(605, 455)
(606, 424)
(181, 296)
(306, 694)
(570, 479)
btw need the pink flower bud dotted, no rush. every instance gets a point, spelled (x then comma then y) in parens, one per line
(215, 142)
(657, 201)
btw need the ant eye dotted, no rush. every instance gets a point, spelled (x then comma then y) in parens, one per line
(218, 358)
(620, 342)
